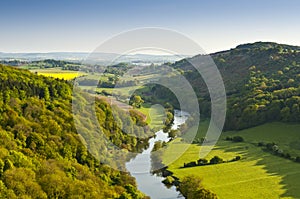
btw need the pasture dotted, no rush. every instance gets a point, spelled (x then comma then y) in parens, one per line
(258, 174)
(155, 115)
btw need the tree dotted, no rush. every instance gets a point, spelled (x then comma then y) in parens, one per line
(191, 188)
(205, 194)
(173, 133)
(238, 139)
(136, 101)
(295, 113)
(189, 185)
(202, 162)
(157, 145)
(216, 160)
(285, 114)
(23, 182)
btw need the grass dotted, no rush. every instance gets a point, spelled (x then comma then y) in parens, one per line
(257, 175)
(287, 137)
(155, 115)
(125, 91)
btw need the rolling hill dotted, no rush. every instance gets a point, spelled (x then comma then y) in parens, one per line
(261, 79)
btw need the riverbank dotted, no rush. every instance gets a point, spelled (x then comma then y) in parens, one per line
(140, 166)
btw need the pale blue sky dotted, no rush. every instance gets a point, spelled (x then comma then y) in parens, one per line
(72, 25)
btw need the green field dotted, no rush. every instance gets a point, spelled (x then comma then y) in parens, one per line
(125, 91)
(155, 115)
(258, 174)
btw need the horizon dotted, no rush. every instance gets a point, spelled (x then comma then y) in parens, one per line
(86, 52)
(76, 26)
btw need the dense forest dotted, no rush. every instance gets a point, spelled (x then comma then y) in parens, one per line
(261, 80)
(41, 154)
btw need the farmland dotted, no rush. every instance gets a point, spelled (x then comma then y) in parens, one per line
(57, 73)
(258, 174)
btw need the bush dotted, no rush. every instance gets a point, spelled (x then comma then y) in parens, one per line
(287, 156)
(216, 160)
(202, 162)
(269, 146)
(260, 144)
(237, 139)
(169, 180)
(191, 187)
(190, 164)
(237, 158)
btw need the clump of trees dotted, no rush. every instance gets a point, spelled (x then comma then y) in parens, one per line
(191, 187)
(213, 160)
(136, 101)
(274, 149)
(235, 139)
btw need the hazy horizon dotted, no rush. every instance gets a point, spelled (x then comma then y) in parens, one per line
(73, 26)
(146, 53)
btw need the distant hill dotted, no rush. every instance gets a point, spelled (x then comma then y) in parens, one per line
(97, 57)
(234, 64)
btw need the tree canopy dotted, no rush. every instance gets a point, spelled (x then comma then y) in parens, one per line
(41, 154)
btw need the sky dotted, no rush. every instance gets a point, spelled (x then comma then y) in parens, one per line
(81, 26)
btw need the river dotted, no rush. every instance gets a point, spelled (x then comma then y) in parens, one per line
(140, 166)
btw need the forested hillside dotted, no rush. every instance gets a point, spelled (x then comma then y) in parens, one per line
(262, 82)
(41, 155)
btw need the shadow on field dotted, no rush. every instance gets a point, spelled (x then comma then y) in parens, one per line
(288, 170)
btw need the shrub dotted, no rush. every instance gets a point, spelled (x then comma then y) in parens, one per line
(237, 139)
(169, 180)
(260, 144)
(190, 164)
(237, 158)
(191, 187)
(202, 162)
(287, 156)
(216, 160)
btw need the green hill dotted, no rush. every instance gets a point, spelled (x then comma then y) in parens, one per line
(261, 80)
(263, 99)
(41, 155)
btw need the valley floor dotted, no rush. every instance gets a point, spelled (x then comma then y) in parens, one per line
(258, 174)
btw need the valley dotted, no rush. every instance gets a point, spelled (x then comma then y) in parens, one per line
(263, 100)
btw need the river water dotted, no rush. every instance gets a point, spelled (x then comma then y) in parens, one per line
(140, 166)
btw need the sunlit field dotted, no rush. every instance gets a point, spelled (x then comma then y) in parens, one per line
(258, 174)
(58, 73)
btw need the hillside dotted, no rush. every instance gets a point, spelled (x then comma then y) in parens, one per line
(261, 80)
(41, 155)
(263, 99)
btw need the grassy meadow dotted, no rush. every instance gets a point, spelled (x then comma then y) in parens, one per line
(258, 174)
(155, 115)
